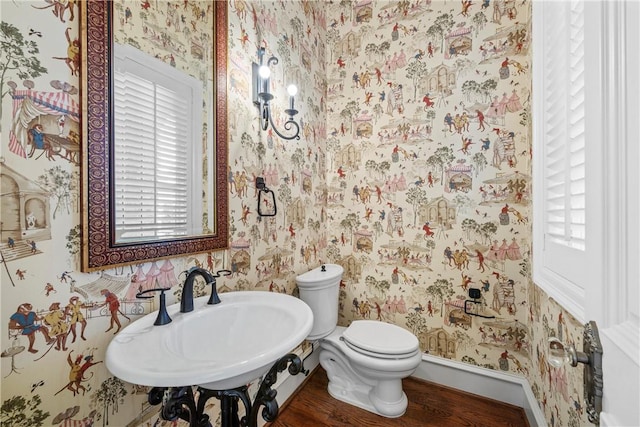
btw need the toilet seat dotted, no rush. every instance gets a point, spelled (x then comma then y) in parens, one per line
(380, 340)
(378, 355)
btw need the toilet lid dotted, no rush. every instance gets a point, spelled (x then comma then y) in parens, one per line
(380, 338)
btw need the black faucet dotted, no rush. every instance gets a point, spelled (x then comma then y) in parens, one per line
(186, 302)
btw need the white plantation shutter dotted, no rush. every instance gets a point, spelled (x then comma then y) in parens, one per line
(156, 122)
(564, 132)
(566, 129)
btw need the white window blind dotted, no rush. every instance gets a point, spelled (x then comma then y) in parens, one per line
(564, 130)
(156, 118)
(563, 116)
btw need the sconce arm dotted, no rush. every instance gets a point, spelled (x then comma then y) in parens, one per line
(288, 125)
(272, 61)
(265, 111)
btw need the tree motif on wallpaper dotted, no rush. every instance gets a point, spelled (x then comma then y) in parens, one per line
(440, 160)
(108, 397)
(416, 71)
(18, 57)
(464, 204)
(440, 28)
(251, 146)
(438, 293)
(479, 160)
(479, 20)
(62, 187)
(482, 231)
(416, 323)
(349, 224)
(378, 288)
(415, 197)
(285, 199)
(481, 92)
(20, 412)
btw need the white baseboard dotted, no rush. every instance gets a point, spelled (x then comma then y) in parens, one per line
(495, 385)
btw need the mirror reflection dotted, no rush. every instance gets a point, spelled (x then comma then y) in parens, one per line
(162, 104)
(159, 142)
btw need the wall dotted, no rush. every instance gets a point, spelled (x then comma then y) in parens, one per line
(42, 386)
(429, 184)
(381, 182)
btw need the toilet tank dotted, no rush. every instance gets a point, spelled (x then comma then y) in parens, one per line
(319, 288)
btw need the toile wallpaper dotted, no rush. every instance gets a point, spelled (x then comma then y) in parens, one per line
(413, 172)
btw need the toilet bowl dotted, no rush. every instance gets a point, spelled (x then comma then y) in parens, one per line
(366, 361)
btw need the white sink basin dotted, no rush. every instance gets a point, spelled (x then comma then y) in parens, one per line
(218, 347)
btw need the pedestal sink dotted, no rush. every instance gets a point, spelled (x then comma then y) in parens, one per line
(218, 347)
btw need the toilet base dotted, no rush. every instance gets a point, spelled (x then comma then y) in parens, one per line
(379, 396)
(361, 397)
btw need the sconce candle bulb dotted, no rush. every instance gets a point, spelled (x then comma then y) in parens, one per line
(292, 90)
(264, 71)
(262, 96)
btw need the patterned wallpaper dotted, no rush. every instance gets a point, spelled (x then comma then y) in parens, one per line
(429, 184)
(413, 172)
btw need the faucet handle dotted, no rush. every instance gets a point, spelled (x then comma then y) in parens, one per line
(163, 316)
(141, 294)
(221, 273)
(214, 298)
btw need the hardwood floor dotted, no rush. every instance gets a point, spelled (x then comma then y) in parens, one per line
(429, 405)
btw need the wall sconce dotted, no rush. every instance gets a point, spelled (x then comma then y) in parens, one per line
(262, 97)
(591, 356)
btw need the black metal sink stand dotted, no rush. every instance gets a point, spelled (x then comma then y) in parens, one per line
(183, 403)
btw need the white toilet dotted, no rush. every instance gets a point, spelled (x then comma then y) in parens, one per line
(365, 362)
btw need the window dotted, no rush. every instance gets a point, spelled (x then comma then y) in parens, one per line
(157, 118)
(564, 128)
(567, 141)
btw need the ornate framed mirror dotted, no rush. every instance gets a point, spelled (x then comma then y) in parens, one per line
(154, 169)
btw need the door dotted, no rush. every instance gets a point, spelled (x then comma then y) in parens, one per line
(614, 302)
